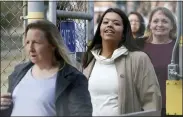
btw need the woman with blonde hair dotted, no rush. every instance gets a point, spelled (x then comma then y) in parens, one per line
(158, 43)
(47, 85)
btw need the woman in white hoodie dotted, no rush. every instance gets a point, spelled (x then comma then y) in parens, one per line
(121, 78)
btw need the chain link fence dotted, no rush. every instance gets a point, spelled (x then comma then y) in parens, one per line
(80, 28)
(12, 32)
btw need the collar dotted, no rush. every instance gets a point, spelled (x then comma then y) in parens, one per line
(117, 53)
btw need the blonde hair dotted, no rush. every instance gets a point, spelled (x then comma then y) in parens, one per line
(168, 14)
(53, 36)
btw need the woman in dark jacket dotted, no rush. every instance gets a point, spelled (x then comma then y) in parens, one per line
(47, 85)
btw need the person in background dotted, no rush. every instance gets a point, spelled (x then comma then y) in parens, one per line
(158, 43)
(121, 78)
(47, 85)
(137, 24)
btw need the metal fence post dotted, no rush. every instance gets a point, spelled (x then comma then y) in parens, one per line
(180, 5)
(52, 11)
(24, 25)
(90, 28)
(173, 67)
(35, 10)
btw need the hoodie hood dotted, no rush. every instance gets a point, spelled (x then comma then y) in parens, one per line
(117, 53)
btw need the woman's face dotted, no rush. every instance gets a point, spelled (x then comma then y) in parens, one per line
(134, 22)
(160, 24)
(37, 46)
(111, 28)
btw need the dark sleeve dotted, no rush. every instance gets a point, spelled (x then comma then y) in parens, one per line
(12, 76)
(18, 68)
(7, 112)
(79, 98)
(140, 42)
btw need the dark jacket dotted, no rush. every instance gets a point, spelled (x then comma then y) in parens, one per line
(72, 95)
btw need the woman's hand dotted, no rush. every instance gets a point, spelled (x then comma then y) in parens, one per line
(6, 100)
